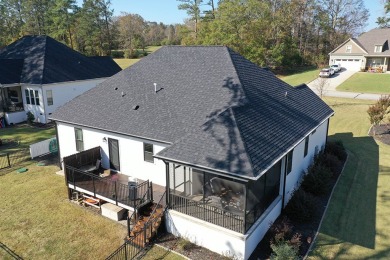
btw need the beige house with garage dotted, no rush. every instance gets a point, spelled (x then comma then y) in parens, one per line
(370, 51)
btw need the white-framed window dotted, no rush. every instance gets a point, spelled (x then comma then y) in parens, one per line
(378, 48)
(289, 160)
(36, 97)
(348, 48)
(78, 132)
(27, 94)
(148, 153)
(49, 97)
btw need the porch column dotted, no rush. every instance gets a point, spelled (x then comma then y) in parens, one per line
(385, 65)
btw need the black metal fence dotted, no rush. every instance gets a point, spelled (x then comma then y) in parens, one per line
(108, 188)
(206, 212)
(135, 244)
(14, 158)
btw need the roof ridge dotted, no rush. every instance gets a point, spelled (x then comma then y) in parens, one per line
(44, 60)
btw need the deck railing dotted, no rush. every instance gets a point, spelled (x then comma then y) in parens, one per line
(107, 188)
(206, 212)
(128, 251)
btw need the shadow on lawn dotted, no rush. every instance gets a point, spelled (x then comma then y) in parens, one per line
(351, 215)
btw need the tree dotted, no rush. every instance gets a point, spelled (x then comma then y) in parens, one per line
(321, 85)
(131, 28)
(62, 20)
(384, 21)
(193, 10)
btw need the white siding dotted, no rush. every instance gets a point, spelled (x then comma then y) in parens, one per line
(64, 92)
(38, 111)
(131, 152)
(301, 163)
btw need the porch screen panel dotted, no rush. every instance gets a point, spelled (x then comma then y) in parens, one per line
(272, 184)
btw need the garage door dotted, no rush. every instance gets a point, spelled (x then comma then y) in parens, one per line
(349, 64)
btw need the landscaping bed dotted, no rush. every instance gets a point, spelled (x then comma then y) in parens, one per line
(297, 226)
(381, 133)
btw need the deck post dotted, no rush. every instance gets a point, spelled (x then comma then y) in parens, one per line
(115, 194)
(93, 184)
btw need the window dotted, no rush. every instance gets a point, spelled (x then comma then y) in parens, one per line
(79, 139)
(36, 98)
(289, 161)
(348, 49)
(148, 153)
(27, 93)
(49, 97)
(378, 48)
(306, 146)
(32, 97)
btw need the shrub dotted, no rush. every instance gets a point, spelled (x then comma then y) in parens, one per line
(317, 180)
(30, 117)
(281, 230)
(302, 206)
(337, 149)
(117, 54)
(332, 162)
(284, 251)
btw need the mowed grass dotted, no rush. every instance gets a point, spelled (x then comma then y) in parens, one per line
(357, 223)
(301, 77)
(38, 222)
(365, 82)
(26, 134)
(124, 63)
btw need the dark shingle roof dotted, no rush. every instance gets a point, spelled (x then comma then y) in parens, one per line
(48, 61)
(218, 110)
(10, 70)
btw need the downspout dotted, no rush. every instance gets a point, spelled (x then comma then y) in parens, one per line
(327, 130)
(284, 180)
(167, 183)
(58, 145)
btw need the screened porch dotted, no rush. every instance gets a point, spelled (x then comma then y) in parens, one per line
(232, 203)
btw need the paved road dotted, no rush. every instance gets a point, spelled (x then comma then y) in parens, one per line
(335, 81)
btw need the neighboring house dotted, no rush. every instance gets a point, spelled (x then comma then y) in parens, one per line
(39, 74)
(369, 50)
(228, 140)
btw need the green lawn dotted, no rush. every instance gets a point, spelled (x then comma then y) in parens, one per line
(124, 63)
(300, 77)
(26, 134)
(367, 83)
(357, 223)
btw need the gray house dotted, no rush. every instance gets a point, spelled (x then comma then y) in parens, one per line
(227, 140)
(369, 50)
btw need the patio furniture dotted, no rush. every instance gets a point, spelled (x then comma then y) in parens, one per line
(91, 168)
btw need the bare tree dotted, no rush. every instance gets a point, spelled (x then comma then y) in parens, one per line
(322, 86)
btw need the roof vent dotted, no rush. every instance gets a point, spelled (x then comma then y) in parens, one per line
(135, 107)
(116, 88)
(285, 94)
(123, 94)
(155, 87)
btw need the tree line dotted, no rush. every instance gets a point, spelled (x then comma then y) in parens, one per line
(274, 33)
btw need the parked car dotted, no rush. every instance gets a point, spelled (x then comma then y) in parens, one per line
(336, 67)
(328, 72)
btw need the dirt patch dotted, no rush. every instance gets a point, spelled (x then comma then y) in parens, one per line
(381, 133)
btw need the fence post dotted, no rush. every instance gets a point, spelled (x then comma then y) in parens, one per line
(93, 184)
(115, 194)
(151, 191)
(125, 250)
(9, 162)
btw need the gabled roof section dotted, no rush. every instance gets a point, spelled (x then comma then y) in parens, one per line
(49, 61)
(10, 71)
(218, 110)
(354, 40)
(378, 36)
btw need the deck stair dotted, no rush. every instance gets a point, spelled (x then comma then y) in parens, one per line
(147, 224)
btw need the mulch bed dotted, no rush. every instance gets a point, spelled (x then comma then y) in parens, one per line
(382, 133)
(171, 242)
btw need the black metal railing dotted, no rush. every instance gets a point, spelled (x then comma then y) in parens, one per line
(108, 188)
(151, 225)
(209, 213)
(128, 251)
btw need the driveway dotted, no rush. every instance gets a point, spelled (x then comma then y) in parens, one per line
(334, 81)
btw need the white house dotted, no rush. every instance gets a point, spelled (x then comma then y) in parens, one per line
(228, 140)
(39, 74)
